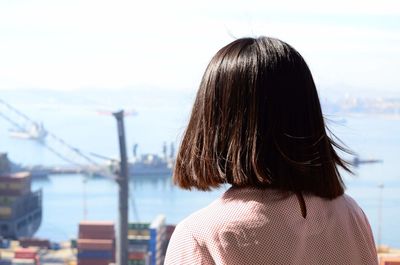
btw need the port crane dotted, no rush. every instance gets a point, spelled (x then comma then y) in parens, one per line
(53, 143)
(75, 156)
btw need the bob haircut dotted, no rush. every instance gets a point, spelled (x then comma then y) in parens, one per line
(257, 122)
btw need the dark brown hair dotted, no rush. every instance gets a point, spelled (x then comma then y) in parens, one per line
(257, 121)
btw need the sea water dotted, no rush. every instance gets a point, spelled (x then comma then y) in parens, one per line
(79, 118)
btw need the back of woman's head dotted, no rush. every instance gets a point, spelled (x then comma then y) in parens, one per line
(257, 122)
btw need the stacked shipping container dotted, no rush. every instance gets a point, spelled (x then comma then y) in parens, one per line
(12, 187)
(20, 209)
(389, 259)
(96, 243)
(34, 242)
(138, 244)
(148, 242)
(157, 239)
(169, 229)
(26, 256)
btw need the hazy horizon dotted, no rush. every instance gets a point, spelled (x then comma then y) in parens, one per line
(90, 45)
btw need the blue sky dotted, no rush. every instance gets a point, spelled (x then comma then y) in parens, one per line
(351, 46)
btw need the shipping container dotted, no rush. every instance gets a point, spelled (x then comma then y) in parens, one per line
(23, 262)
(169, 229)
(95, 244)
(139, 248)
(5, 211)
(7, 200)
(96, 230)
(97, 235)
(146, 242)
(93, 262)
(4, 243)
(138, 225)
(15, 184)
(389, 260)
(97, 224)
(95, 254)
(5, 262)
(34, 242)
(139, 232)
(137, 255)
(138, 262)
(25, 253)
(157, 239)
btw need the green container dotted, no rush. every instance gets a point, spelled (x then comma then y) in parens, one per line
(137, 262)
(74, 243)
(138, 226)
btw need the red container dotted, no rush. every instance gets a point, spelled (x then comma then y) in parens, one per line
(137, 255)
(25, 253)
(169, 229)
(389, 260)
(96, 230)
(97, 235)
(34, 242)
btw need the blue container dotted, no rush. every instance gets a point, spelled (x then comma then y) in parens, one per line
(4, 243)
(95, 254)
(5, 262)
(55, 246)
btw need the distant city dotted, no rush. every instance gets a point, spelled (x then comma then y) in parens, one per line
(362, 105)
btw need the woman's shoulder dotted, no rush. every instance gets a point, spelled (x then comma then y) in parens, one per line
(202, 216)
(235, 208)
(352, 206)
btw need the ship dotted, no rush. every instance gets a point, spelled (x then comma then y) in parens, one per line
(357, 161)
(152, 164)
(34, 132)
(147, 165)
(20, 207)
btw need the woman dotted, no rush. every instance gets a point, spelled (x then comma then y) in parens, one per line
(257, 125)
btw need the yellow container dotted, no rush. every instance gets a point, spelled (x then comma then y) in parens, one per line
(5, 211)
(17, 186)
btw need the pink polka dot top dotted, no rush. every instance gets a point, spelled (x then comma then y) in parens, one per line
(262, 226)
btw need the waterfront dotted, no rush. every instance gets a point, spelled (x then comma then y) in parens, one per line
(65, 197)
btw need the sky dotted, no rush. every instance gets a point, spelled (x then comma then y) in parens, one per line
(350, 46)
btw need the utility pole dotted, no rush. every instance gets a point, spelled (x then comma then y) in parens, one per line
(85, 209)
(122, 180)
(379, 236)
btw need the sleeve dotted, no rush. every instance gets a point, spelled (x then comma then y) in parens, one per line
(371, 240)
(183, 249)
(365, 240)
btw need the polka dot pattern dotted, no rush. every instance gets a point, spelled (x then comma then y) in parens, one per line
(252, 226)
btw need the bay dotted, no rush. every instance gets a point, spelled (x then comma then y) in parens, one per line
(161, 117)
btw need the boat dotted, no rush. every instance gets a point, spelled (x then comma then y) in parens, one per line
(357, 161)
(146, 165)
(34, 132)
(152, 164)
(20, 207)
